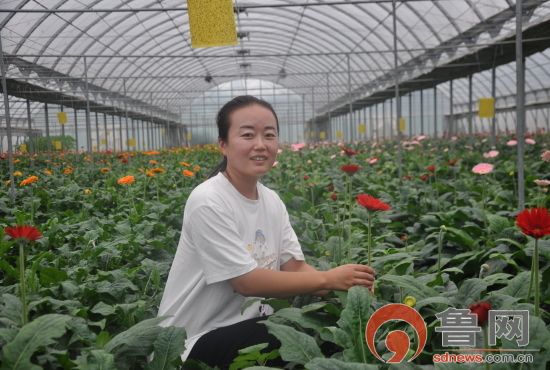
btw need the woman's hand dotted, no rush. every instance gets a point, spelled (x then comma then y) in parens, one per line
(345, 276)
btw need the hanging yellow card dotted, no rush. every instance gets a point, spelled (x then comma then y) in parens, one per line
(57, 144)
(339, 134)
(322, 135)
(362, 128)
(62, 117)
(131, 142)
(402, 124)
(486, 107)
(211, 23)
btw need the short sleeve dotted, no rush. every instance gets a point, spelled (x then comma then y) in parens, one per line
(221, 249)
(290, 245)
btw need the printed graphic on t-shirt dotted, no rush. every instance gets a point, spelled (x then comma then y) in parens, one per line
(264, 256)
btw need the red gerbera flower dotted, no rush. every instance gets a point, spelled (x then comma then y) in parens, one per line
(534, 222)
(430, 168)
(481, 309)
(350, 169)
(334, 196)
(30, 233)
(372, 203)
(349, 152)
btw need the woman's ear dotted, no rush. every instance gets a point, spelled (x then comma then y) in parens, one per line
(222, 145)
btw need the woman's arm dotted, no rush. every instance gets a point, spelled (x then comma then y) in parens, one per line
(302, 266)
(306, 280)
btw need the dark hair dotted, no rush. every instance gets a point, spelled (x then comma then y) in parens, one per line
(222, 120)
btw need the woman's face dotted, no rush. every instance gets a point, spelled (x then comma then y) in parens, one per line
(252, 141)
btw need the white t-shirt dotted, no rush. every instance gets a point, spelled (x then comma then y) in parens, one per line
(224, 235)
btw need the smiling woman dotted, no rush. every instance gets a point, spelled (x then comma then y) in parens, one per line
(237, 243)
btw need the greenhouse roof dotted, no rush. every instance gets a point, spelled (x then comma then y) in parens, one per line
(333, 50)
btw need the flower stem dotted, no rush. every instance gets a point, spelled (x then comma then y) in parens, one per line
(536, 275)
(440, 247)
(22, 284)
(349, 218)
(369, 246)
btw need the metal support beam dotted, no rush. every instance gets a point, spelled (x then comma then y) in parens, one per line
(451, 107)
(8, 121)
(421, 112)
(435, 111)
(520, 103)
(494, 95)
(88, 123)
(47, 118)
(470, 107)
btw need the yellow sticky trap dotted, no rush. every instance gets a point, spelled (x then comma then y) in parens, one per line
(486, 107)
(103, 142)
(339, 134)
(131, 142)
(23, 148)
(57, 145)
(401, 124)
(189, 136)
(211, 23)
(62, 117)
(322, 135)
(362, 128)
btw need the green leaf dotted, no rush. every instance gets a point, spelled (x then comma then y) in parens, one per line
(432, 301)
(103, 309)
(518, 286)
(416, 287)
(168, 347)
(295, 346)
(134, 342)
(331, 364)
(460, 237)
(11, 308)
(96, 360)
(469, 292)
(52, 275)
(354, 321)
(497, 224)
(36, 334)
(306, 321)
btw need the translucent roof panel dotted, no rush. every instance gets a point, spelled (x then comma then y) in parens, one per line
(141, 48)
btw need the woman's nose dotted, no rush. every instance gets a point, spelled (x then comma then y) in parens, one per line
(259, 142)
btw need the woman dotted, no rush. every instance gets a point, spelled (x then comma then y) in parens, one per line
(237, 242)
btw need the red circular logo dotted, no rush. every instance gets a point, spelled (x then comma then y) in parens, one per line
(397, 341)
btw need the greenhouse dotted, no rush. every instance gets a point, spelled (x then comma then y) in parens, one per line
(382, 196)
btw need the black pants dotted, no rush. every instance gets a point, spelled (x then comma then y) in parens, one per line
(220, 346)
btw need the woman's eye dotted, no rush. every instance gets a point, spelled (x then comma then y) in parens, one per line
(247, 135)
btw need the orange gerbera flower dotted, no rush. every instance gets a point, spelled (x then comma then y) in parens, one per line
(104, 170)
(150, 173)
(196, 168)
(126, 180)
(47, 172)
(29, 180)
(152, 162)
(158, 170)
(188, 173)
(18, 174)
(68, 171)
(185, 164)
